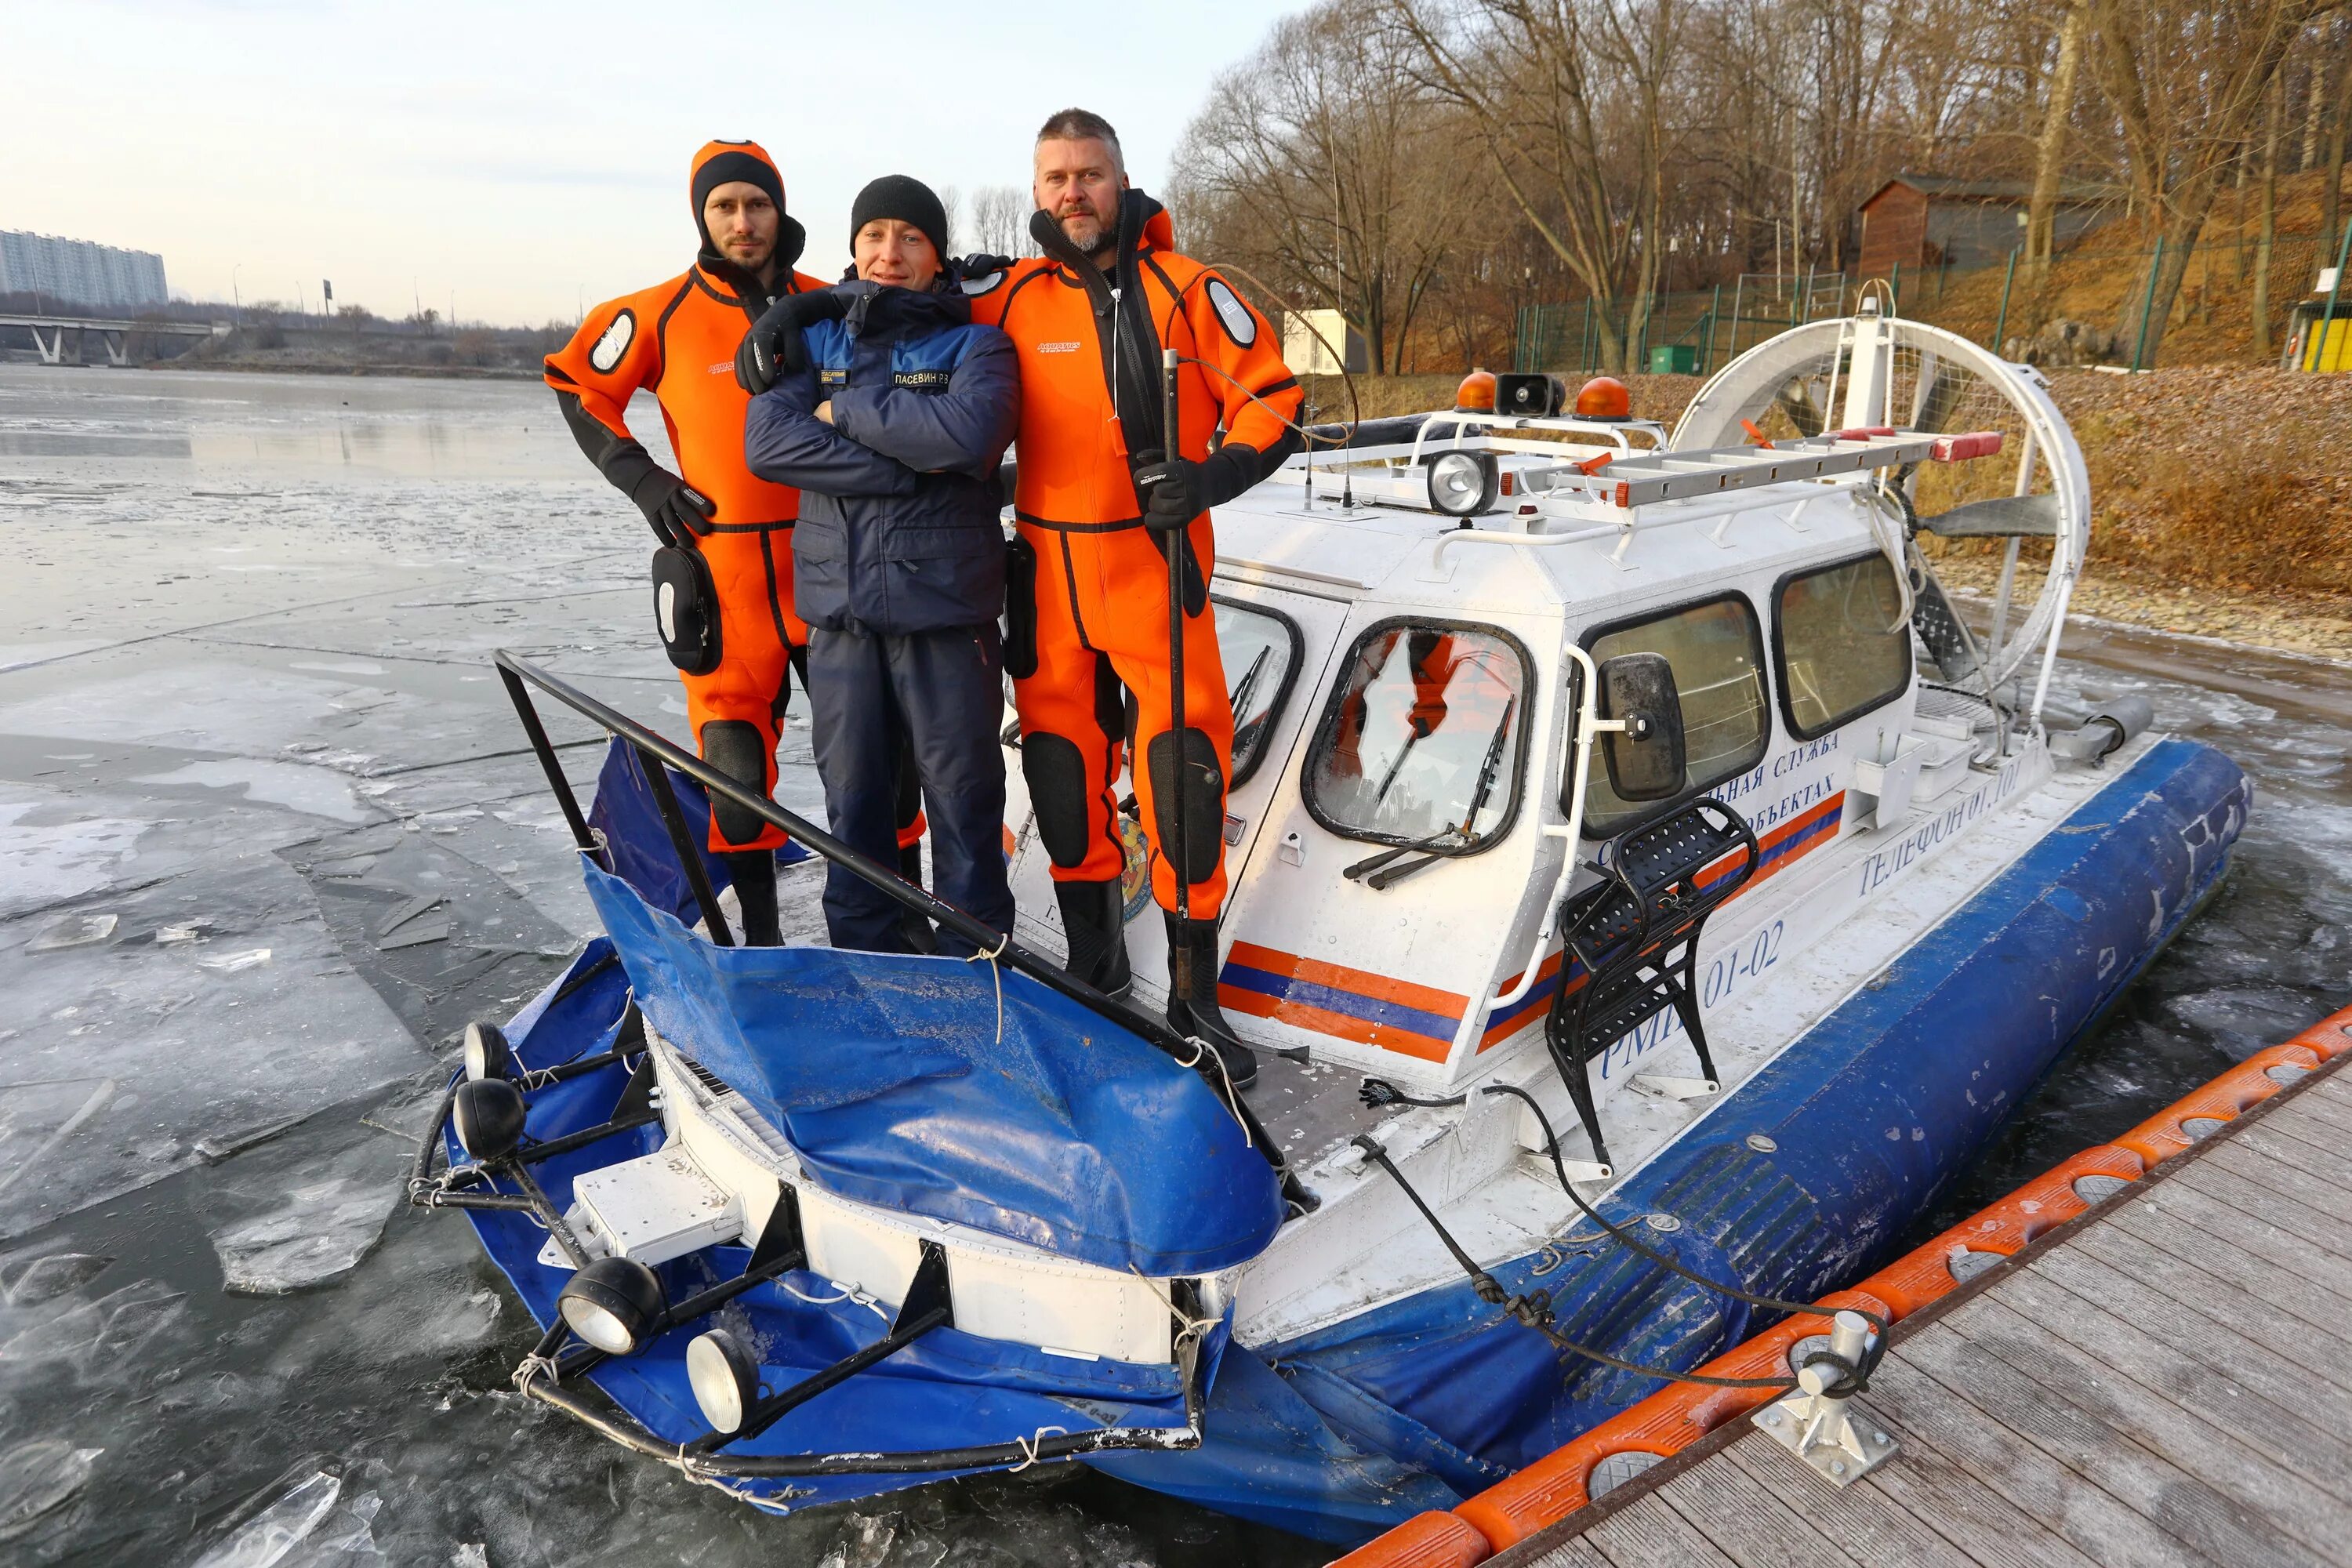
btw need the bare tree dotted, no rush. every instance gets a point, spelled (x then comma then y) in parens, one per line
(1322, 163)
(2050, 146)
(1569, 102)
(2186, 79)
(1000, 221)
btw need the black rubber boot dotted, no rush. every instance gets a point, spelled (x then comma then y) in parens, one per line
(753, 872)
(1094, 926)
(919, 935)
(1195, 1013)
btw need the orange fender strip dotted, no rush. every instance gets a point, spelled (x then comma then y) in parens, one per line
(1667, 1422)
(1679, 1415)
(1924, 1273)
(1425, 1540)
(2225, 1099)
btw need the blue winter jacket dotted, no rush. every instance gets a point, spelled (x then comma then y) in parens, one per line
(899, 527)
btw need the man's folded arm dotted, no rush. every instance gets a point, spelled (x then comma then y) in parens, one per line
(963, 430)
(785, 442)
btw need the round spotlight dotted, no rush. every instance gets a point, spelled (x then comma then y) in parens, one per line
(487, 1055)
(1462, 484)
(1476, 393)
(614, 1304)
(1604, 398)
(490, 1115)
(724, 1377)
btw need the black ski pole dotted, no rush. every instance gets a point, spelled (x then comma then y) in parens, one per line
(1180, 962)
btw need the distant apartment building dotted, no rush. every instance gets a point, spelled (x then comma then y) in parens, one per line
(79, 272)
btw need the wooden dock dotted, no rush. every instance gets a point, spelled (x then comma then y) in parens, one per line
(2165, 1379)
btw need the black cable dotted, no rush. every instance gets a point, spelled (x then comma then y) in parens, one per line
(1534, 1309)
(1860, 1375)
(1856, 1380)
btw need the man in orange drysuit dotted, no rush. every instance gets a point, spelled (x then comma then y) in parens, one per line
(1100, 507)
(738, 525)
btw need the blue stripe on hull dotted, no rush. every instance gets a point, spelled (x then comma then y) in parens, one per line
(1874, 1110)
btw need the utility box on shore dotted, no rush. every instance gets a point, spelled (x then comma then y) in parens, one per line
(2319, 335)
(1673, 359)
(1313, 342)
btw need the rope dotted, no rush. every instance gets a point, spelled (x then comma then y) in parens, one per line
(997, 976)
(1029, 1445)
(848, 1293)
(535, 1365)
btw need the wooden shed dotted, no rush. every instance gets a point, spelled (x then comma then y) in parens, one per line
(1930, 220)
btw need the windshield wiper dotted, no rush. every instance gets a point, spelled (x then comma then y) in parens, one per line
(1372, 870)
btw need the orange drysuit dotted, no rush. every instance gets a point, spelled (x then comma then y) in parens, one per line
(678, 341)
(1092, 616)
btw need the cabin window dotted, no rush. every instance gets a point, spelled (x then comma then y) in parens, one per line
(1424, 739)
(1843, 648)
(1262, 651)
(1717, 649)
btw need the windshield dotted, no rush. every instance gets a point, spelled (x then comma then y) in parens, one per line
(1422, 740)
(1260, 649)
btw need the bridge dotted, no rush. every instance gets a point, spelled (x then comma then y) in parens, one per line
(115, 334)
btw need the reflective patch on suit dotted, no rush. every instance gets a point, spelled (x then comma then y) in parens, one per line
(1240, 325)
(978, 285)
(615, 342)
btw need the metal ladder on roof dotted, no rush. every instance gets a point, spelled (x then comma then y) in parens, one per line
(1660, 476)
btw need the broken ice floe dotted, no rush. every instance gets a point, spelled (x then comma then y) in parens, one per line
(72, 930)
(28, 1282)
(38, 1477)
(235, 962)
(90, 1333)
(265, 1540)
(322, 1229)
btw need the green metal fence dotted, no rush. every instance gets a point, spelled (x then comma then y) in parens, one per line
(2006, 305)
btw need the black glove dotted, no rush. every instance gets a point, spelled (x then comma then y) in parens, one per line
(1171, 490)
(772, 349)
(978, 264)
(677, 510)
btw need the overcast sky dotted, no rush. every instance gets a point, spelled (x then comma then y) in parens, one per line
(529, 156)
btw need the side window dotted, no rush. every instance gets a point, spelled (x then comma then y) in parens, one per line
(1261, 650)
(1718, 653)
(1424, 737)
(1843, 650)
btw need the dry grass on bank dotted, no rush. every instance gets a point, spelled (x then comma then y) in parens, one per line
(2222, 497)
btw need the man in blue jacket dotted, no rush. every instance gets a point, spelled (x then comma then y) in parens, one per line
(889, 412)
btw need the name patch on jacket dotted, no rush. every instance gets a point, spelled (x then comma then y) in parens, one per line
(926, 380)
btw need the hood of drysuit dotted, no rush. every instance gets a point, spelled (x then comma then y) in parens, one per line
(719, 163)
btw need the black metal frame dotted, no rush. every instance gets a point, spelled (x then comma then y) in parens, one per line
(780, 1248)
(655, 753)
(1637, 934)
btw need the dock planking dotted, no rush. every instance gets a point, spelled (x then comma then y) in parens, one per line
(2168, 1380)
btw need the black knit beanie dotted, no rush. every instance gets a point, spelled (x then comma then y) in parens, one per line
(908, 200)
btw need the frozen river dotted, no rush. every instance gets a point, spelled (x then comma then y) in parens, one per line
(269, 837)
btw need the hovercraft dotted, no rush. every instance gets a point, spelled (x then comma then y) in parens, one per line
(1630, 841)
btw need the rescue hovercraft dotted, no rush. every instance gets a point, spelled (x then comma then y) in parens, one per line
(1649, 890)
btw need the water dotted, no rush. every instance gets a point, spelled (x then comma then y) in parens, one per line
(245, 724)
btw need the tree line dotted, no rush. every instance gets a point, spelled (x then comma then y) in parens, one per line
(1427, 167)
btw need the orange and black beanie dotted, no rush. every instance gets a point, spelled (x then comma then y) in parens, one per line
(719, 163)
